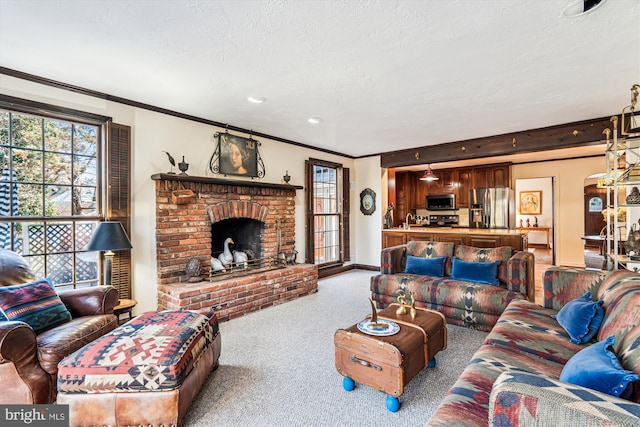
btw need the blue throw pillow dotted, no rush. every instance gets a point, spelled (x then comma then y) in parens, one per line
(597, 367)
(581, 318)
(425, 266)
(479, 272)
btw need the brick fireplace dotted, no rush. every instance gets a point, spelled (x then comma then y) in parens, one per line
(193, 217)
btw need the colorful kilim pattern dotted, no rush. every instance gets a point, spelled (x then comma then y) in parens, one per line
(463, 303)
(36, 304)
(469, 304)
(527, 399)
(561, 285)
(512, 378)
(154, 351)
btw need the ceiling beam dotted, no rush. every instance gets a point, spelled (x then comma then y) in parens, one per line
(588, 132)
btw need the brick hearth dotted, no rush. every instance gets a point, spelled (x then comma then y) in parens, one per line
(183, 231)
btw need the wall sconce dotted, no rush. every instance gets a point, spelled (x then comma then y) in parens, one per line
(429, 175)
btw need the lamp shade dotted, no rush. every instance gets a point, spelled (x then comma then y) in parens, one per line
(109, 236)
(429, 175)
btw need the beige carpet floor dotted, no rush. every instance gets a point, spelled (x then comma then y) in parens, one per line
(277, 367)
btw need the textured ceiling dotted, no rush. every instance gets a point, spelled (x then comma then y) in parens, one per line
(384, 75)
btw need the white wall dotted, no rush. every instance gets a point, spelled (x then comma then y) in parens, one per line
(368, 228)
(153, 133)
(545, 219)
(569, 201)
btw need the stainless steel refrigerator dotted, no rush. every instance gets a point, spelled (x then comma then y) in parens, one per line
(492, 208)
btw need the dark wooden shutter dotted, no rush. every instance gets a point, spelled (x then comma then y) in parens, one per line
(346, 209)
(309, 227)
(118, 198)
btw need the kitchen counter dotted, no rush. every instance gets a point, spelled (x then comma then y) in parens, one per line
(478, 237)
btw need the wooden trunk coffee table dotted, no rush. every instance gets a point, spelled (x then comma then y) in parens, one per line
(388, 363)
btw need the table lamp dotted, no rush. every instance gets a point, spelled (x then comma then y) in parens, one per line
(109, 237)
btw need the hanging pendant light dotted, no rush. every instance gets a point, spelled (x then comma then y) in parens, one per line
(429, 175)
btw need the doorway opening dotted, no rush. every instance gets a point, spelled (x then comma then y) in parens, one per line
(535, 211)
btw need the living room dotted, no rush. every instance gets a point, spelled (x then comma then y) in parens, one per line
(165, 119)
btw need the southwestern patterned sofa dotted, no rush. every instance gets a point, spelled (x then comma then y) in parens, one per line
(513, 378)
(463, 302)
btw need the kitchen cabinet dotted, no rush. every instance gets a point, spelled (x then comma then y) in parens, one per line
(482, 238)
(456, 239)
(393, 238)
(446, 183)
(420, 193)
(421, 237)
(499, 176)
(463, 187)
(410, 192)
(485, 241)
(404, 200)
(491, 176)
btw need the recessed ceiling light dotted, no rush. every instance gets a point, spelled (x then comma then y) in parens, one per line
(581, 7)
(315, 120)
(256, 99)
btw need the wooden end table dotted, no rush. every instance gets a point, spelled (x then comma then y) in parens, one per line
(124, 306)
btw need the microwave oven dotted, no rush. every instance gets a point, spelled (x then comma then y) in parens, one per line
(442, 202)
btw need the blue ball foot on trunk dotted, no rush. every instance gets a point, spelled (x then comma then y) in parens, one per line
(348, 384)
(432, 363)
(393, 404)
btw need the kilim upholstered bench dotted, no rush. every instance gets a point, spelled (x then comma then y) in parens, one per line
(145, 372)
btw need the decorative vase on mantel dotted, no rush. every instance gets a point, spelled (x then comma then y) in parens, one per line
(633, 198)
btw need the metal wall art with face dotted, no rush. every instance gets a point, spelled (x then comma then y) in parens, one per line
(235, 155)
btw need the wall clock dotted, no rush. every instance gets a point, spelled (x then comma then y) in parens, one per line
(367, 201)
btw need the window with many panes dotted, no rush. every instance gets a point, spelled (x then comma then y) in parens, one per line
(50, 194)
(326, 214)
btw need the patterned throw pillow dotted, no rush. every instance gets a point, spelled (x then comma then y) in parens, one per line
(581, 318)
(36, 304)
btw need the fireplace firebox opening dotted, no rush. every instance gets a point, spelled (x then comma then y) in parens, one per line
(246, 233)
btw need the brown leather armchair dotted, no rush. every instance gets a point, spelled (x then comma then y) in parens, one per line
(29, 362)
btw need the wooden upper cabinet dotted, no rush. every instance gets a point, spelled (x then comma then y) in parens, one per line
(447, 182)
(499, 176)
(492, 176)
(420, 193)
(479, 178)
(404, 199)
(464, 185)
(409, 193)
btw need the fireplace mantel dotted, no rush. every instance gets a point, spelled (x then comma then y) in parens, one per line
(219, 181)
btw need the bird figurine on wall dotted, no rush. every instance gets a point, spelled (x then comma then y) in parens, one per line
(240, 258)
(226, 257)
(216, 265)
(171, 160)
